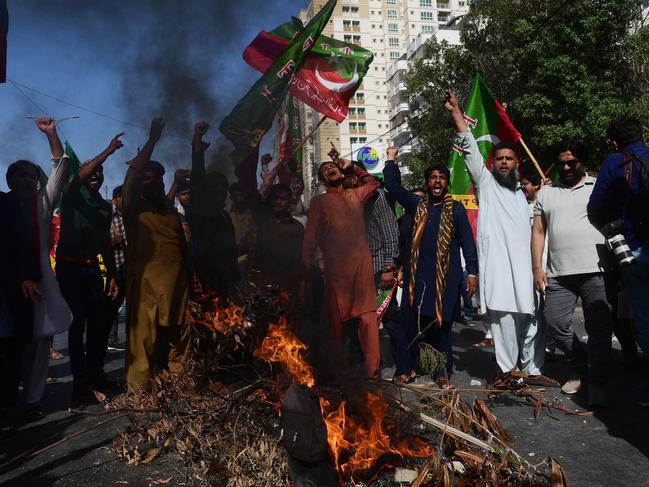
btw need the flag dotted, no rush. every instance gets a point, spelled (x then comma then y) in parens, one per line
(331, 74)
(4, 29)
(253, 115)
(289, 132)
(490, 125)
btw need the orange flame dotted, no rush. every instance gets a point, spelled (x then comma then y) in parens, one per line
(210, 313)
(281, 345)
(356, 447)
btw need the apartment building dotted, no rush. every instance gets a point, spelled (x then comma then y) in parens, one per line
(387, 28)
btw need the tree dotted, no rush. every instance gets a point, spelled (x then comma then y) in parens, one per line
(564, 69)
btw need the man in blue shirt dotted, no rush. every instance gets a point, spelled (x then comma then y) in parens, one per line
(618, 195)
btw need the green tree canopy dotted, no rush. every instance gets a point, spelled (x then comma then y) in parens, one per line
(564, 70)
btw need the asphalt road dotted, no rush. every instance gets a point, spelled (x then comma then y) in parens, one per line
(608, 449)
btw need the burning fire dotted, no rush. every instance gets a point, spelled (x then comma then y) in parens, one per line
(281, 345)
(209, 312)
(357, 447)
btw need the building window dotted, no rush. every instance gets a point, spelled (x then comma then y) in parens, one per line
(443, 5)
(393, 27)
(353, 126)
(390, 2)
(362, 140)
(442, 17)
(360, 98)
(392, 14)
(356, 25)
(345, 9)
(393, 41)
(354, 10)
(425, 3)
(347, 38)
(461, 3)
(428, 29)
(426, 15)
(356, 40)
(394, 55)
(353, 140)
(362, 127)
(347, 25)
(361, 113)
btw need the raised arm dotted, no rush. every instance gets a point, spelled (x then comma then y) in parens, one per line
(367, 185)
(466, 141)
(133, 181)
(90, 167)
(179, 175)
(392, 180)
(58, 176)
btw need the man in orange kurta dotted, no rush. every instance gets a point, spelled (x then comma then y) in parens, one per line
(336, 225)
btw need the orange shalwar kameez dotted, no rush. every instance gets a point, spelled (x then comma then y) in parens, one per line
(336, 225)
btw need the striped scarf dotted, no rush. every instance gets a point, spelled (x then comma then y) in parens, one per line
(444, 235)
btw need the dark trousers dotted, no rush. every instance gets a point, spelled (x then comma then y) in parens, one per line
(392, 324)
(83, 289)
(560, 299)
(408, 342)
(112, 312)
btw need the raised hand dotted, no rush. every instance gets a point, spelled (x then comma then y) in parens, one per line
(115, 144)
(181, 174)
(392, 153)
(46, 125)
(200, 129)
(451, 102)
(31, 290)
(333, 153)
(155, 132)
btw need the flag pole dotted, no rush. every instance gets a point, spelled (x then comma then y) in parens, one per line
(529, 153)
(310, 134)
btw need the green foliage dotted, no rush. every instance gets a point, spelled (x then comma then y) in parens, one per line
(564, 70)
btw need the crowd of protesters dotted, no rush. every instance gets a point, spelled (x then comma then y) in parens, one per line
(539, 247)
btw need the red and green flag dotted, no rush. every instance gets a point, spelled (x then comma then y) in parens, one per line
(4, 29)
(490, 125)
(253, 115)
(331, 74)
(289, 131)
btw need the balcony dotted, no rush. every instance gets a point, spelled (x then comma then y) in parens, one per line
(399, 65)
(401, 134)
(398, 88)
(442, 5)
(400, 108)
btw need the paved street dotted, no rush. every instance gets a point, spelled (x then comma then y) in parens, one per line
(609, 449)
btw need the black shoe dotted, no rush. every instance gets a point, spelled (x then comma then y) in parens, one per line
(101, 383)
(82, 396)
(33, 412)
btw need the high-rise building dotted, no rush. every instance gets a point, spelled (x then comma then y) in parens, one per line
(385, 27)
(400, 106)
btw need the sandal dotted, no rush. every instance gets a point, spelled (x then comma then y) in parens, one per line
(444, 383)
(56, 355)
(406, 378)
(487, 342)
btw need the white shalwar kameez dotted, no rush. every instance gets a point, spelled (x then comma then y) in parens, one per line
(505, 263)
(52, 314)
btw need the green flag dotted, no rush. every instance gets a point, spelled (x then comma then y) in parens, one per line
(490, 125)
(253, 116)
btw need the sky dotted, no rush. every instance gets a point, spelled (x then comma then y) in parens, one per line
(130, 61)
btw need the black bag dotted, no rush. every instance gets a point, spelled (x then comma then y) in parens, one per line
(640, 200)
(304, 433)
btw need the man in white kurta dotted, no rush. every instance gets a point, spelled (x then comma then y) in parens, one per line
(504, 259)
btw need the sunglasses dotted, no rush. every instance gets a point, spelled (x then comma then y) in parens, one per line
(570, 162)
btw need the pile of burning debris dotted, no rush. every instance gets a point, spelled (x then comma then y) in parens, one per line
(224, 416)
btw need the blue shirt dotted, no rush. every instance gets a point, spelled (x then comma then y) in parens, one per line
(613, 198)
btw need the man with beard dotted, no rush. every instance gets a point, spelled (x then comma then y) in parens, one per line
(573, 270)
(336, 225)
(158, 269)
(85, 234)
(505, 263)
(432, 268)
(214, 246)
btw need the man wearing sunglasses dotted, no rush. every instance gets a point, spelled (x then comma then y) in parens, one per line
(573, 270)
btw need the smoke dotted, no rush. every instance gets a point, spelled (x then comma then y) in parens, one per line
(178, 60)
